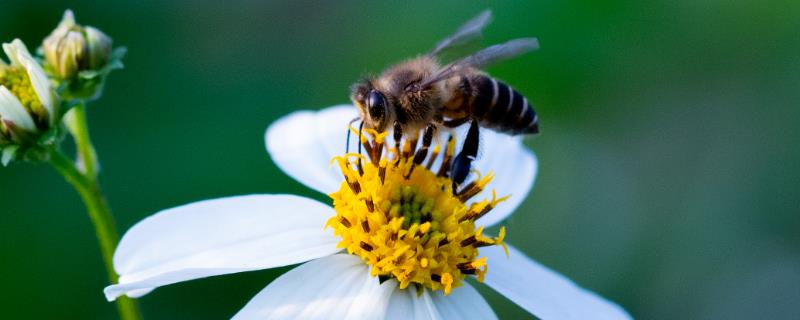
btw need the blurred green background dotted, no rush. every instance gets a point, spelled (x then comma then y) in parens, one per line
(669, 160)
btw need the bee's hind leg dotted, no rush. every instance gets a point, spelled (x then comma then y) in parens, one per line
(463, 161)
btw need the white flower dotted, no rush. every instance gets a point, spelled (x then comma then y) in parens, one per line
(26, 96)
(245, 233)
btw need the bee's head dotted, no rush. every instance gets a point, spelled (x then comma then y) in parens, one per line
(372, 104)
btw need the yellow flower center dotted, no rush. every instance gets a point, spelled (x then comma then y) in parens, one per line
(16, 80)
(404, 219)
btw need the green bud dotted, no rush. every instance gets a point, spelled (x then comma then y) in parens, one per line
(72, 48)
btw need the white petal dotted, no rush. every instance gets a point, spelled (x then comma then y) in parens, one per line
(515, 168)
(39, 80)
(221, 236)
(139, 293)
(543, 292)
(405, 304)
(19, 55)
(11, 109)
(303, 143)
(11, 50)
(401, 304)
(463, 302)
(334, 287)
(373, 300)
(67, 20)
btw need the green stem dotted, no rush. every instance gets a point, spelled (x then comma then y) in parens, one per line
(80, 131)
(87, 186)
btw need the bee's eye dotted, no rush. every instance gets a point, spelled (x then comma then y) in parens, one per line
(376, 103)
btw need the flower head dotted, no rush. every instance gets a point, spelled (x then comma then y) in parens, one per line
(28, 104)
(409, 242)
(80, 55)
(404, 219)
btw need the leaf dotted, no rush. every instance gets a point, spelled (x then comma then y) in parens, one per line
(118, 53)
(8, 154)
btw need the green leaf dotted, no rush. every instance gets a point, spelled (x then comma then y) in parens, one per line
(8, 155)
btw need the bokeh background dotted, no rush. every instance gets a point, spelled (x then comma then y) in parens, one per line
(669, 160)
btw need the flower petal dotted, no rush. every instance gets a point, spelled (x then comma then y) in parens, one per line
(12, 110)
(405, 304)
(515, 168)
(39, 80)
(543, 292)
(19, 55)
(463, 302)
(220, 236)
(334, 287)
(303, 143)
(12, 51)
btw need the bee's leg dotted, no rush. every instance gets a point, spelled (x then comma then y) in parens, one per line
(463, 161)
(398, 135)
(347, 143)
(452, 123)
(419, 156)
(360, 166)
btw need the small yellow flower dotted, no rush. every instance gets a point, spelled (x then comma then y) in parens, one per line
(28, 104)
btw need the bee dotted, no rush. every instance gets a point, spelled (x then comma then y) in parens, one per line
(420, 94)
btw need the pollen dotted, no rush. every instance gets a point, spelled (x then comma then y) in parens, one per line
(403, 217)
(16, 80)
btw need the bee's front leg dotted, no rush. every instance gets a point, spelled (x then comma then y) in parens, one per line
(350, 125)
(422, 152)
(398, 135)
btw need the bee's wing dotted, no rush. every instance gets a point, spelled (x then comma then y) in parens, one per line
(466, 33)
(483, 58)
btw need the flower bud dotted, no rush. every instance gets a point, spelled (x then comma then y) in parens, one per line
(64, 47)
(72, 48)
(79, 58)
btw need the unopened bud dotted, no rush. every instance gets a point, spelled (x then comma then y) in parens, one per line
(72, 48)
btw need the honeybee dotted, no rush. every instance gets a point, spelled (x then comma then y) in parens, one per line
(420, 94)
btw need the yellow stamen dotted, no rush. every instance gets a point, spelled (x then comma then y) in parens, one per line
(16, 80)
(409, 224)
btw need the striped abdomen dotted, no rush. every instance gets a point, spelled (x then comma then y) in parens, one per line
(499, 107)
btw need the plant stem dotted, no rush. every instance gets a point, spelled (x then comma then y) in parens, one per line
(80, 131)
(86, 184)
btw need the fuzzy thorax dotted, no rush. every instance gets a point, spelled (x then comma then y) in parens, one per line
(405, 221)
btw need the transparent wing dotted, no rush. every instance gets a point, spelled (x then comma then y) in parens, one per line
(466, 33)
(483, 58)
